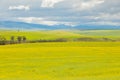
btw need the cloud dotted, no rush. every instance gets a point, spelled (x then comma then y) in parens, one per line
(85, 5)
(104, 23)
(107, 16)
(68, 12)
(20, 7)
(39, 20)
(49, 3)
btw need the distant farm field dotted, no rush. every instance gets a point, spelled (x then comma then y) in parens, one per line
(57, 34)
(37, 35)
(60, 61)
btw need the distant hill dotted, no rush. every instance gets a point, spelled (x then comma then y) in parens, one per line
(27, 26)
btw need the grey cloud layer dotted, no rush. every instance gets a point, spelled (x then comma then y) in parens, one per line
(62, 11)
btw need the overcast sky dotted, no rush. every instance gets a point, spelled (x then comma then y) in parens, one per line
(68, 12)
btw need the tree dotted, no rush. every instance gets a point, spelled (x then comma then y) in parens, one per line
(12, 39)
(19, 38)
(24, 39)
(2, 40)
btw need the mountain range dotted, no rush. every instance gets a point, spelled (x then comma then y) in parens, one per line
(30, 26)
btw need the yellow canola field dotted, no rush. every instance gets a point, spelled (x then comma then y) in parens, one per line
(40, 62)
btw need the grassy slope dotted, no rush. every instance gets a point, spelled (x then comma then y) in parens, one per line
(48, 35)
(37, 35)
(60, 61)
(100, 33)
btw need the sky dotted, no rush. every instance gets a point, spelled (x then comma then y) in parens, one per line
(57, 12)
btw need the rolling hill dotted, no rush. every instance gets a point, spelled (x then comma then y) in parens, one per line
(29, 26)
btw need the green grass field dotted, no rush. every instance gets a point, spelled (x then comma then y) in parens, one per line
(60, 61)
(56, 34)
(37, 35)
(99, 33)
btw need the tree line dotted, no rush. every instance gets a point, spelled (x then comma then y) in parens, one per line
(23, 39)
(13, 40)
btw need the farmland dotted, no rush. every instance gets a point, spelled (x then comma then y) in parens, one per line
(60, 61)
(57, 34)
(37, 35)
(59, 39)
